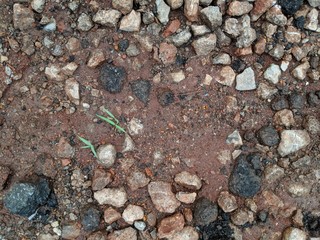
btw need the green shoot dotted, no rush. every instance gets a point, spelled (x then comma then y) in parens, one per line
(110, 114)
(88, 145)
(112, 120)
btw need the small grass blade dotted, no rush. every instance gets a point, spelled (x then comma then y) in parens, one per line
(120, 129)
(88, 145)
(94, 151)
(110, 114)
(85, 141)
(84, 147)
(107, 120)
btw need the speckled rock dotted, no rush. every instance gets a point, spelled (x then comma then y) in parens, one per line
(116, 197)
(292, 233)
(292, 141)
(188, 180)
(106, 155)
(170, 225)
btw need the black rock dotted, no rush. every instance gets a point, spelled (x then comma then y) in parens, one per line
(165, 96)
(217, 230)
(205, 212)
(238, 65)
(112, 77)
(244, 181)
(279, 103)
(90, 218)
(141, 89)
(290, 7)
(123, 45)
(268, 136)
(313, 99)
(312, 224)
(299, 22)
(297, 100)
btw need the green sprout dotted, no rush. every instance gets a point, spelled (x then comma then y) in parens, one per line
(112, 120)
(88, 145)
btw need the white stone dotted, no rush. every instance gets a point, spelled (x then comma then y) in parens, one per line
(106, 155)
(72, 90)
(131, 22)
(273, 73)
(205, 45)
(175, 4)
(300, 72)
(109, 18)
(38, 5)
(84, 22)
(234, 138)
(186, 198)
(163, 11)
(292, 141)
(135, 126)
(312, 20)
(292, 233)
(187, 233)
(246, 80)
(177, 76)
(212, 17)
(188, 180)
(132, 213)
(116, 197)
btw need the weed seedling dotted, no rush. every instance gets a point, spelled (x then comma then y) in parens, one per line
(112, 120)
(88, 145)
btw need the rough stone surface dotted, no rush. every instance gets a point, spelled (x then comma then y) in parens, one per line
(290, 7)
(131, 22)
(109, 18)
(111, 215)
(38, 5)
(273, 172)
(72, 90)
(106, 155)
(71, 231)
(191, 8)
(112, 77)
(260, 7)
(124, 234)
(292, 233)
(64, 149)
(273, 73)
(226, 76)
(100, 179)
(227, 202)
(275, 16)
(268, 136)
(246, 80)
(238, 8)
(84, 22)
(205, 212)
(181, 38)
(314, 3)
(300, 72)
(284, 117)
(292, 141)
(132, 213)
(265, 91)
(177, 76)
(186, 198)
(116, 197)
(135, 126)
(141, 89)
(299, 189)
(241, 217)
(187, 233)
(175, 4)
(188, 180)
(167, 53)
(137, 179)
(97, 57)
(205, 44)
(23, 18)
(124, 6)
(90, 219)
(162, 197)
(212, 17)
(222, 58)
(163, 11)
(312, 124)
(234, 138)
(170, 225)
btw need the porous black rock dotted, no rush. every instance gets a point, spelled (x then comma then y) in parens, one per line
(112, 77)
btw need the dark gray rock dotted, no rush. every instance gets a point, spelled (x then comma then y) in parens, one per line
(123, 45)
(290, 7)
(90, 218)
(280, 103)
(141, 89)
(205, 212)
(313, 99)
(297, 100)
(165, 96)
(112, 77)
(268, 136)
(244, 181)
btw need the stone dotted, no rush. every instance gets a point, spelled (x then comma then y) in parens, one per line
(48, 237)
(132, 50)
(205, 45)
(64, 149)
(248, 35)
(292, 233)
(73, 45)
(38, 5)
(141, 89)
(167, 53)
(69, 69)
(211, 16)
(297, 100)
(234, 138)
(162, 197)
(186, 198)
(222, 58)
(260, 46)
(148, 17)
(115, 197)
(128, 144)
(260, 7)
(132, 213)
(300, 72)
(165, 96)
(90, 219)
(205, 212)
(268, 136)
(71, 231)
(163, 11)
(4, 175)
(96, 58)
(23, 17)
(312, 20)
(238, 8)
(273, 173)
(124, 234)
(188, 180)
(84, 22)
(290, 7)
(279, 103)
(227, 202)
(199, 30)
(292, 141)
(187, 233)
(71, 88)
(97, 236)
(275, 16)
(175, 4)
(109, 18)
(226, 76)
(111, 215)
(112, 77)
(293, 35)
(277, 52)
(181, 38)
(137, 179)
(106, 155)
(284, 118)
(140, 225)
(314, 3)
(171, 28)
(312, 124)
(244, 181)
(272, 73)
(124, 6)
(191, 9)
(170, 225)
(177, 76)
(241, 217)
(246, 80)
(135, 126)
(131, 22)
(299, 189)
(100, 179)
(232, 27)
(265, 91)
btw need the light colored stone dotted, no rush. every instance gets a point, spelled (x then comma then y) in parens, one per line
(207, 80)
(137, 179)
(226, 76)
(234, 138)
(111, 215)
(188, 180)
(273, 173)
(241, 217)
(73, 45)
(84, 22)
(124, 234)
(212, 17)
(23, 17)
(131, 22)
(132, 50)
(227, 202)
(177, 76)
(38, 5)
(100, 179)
(314, 3)
(222, 58)
(292, 141)
(162, 197)
(248, 35)
(273, 73)
(96, 58)
(293, 35)
(186, 198)
(300, 72)
(205, 45)
(167, 53)
(71, 231)
(109, 18)
(53, 72)
(299, 189)
(312, 124)
(272, 200)
(292, 233)
(170, 226)
(64, 149)
(191, 8)
(205, 2)
(116, 197)
(124, 6)
(246, 80)
(199, 30)
(106, 155)
(284, 117)
(284, 65)
(135, 126)
(181, 38)
(187, 233)
(71, 88)
(132, 213)
(175, 4)
(260, 7)
(260, 46)
(266, 91)
(275, 16)
(69, 69)
(232, 27)
(238, 8)
(128, 144)
(312, 20)
(277, 52)
(163, 11)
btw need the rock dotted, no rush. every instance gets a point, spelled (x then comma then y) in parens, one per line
(132, 213)
(90, 219)
(244, 181)
(300, 72)
(292, 141)
(24, 198)
(100, 179)
(64, 149)
(314, 3)
(147, 17)
(248, 35)
(135, 126)
(205, 45)
(171, 28)
(175, 4)
(241, 217)
(273, 73)
(110, 215)
(222, 58)
(299, 190)
(106, 155)
(260, 46)
(23, 18)
(226, 76)
(237, 8)
(212, 17)
(124, 6)
(73, 45)
(71, 88)
(268, 136)
(144, 41)
(137, 179)
(140, 225)
(177, 76)
(186, 198)
(124, 234)
(293, 35)
(123, 45)
(290, 7)
(313, 99)
(191, 8)
(187, 233)
(4, 174)
(71, 231)
(170, 225)
(167, 53)
(227, 202)
(109, 18)
(84, 22)
(311, 124)
(181, 38)
(260, 7)
(48, 237)
(162, 197)
(165, 96)
(275, 16)
(132, 50)
(266, 91)
(234, 138)
(279, 103)
(284, 117)
(199, 30)
(163, 11)
(116, 197)
(128, 144)
(97, 236)
(141, 89)
(112, 77)
(188, 180)
(69, 69)
(205, 212)
(273, 173)
(277, 52)
(292, 233)
(297, 100)
(97, 57)
(131, 22)
(38, 5)
(246, 80)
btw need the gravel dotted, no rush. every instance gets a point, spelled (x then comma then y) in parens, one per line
(90, 219)
(106, 155)
(268, 136)
(292, 141)
(141, 89)
(112, 77)
(205, 212)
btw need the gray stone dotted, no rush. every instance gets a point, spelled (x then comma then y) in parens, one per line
(266, 91)
(232, 27)
(205, 212)
(205, 2)
(222, 58)
(38, 5)
(131, 22)
(212, 17)
(275, 16)
(227, 202)
(116, 197)
(71, 231)
(106, 155)
(292, 141)
(124, 234)
(124, 6)
(132, 50)
(135, 126)
(312, 124)
(246, 80)
(132, 213)
(292, 233)
(248, 35)
(141, 89)
(23, 17)
(277, 52)
(137, 179)
(273, 73)
(187, 233)
(273, 173)
(109, 18)
(181, 38)
(314, 3)
(84, 22)
(147, 18)
(299, 189)
(234, 138)
(175, 4)
(90, 218)
(140, 225)
(268, 136)
(205, 45)
(199, 30)
(163, 11)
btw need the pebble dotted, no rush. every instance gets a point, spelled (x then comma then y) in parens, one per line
(124, 234)
(97, 236)
(273, 173)
(106, 155)
(181, 38)
(277, 52)
(275, 16)
(268, 136)
(71, 88)
(292, 141)
(186, 198)
(147, 18)
(293, 35)
(48, 237)
(109, 18)
(279, 103)
(23, 17)
(124, 6)
(73, 45)
(84, 22)
(205, 2)
(71, 231)
(273, 73)
(284, 118)
(165, 96)
(128, 144)
(162, 197)
(246, 80)
(111, 215)
(187, 233)
(312, 124)
(167, 53)
(175, 4)
(299, 189)
(222, 58)
(292, 233)
(96, 58)
(171, 28)
(300, 72)
(260, 7)
(241, 217)
(38, 5)
(90, 219)
(132, 213)
(199, 30)
(290, 7)
(212, 17)
(234, 138)
(205, 45)
(191, 9)
(226, 76)
(140, 225)
(163, 11)
(227, 202)
(64, 149)
(132, 50)
(238, 8)
(100, 179)
(188, 180)
(205, 212)
(177, 76)
(135, 126)
(297, 100)
(248, 35)
(314, 3)
(116, 197)
(170, 225)
(141, 89)
(112, 77)
(131, 22)
(265, 91)
(137, 179)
